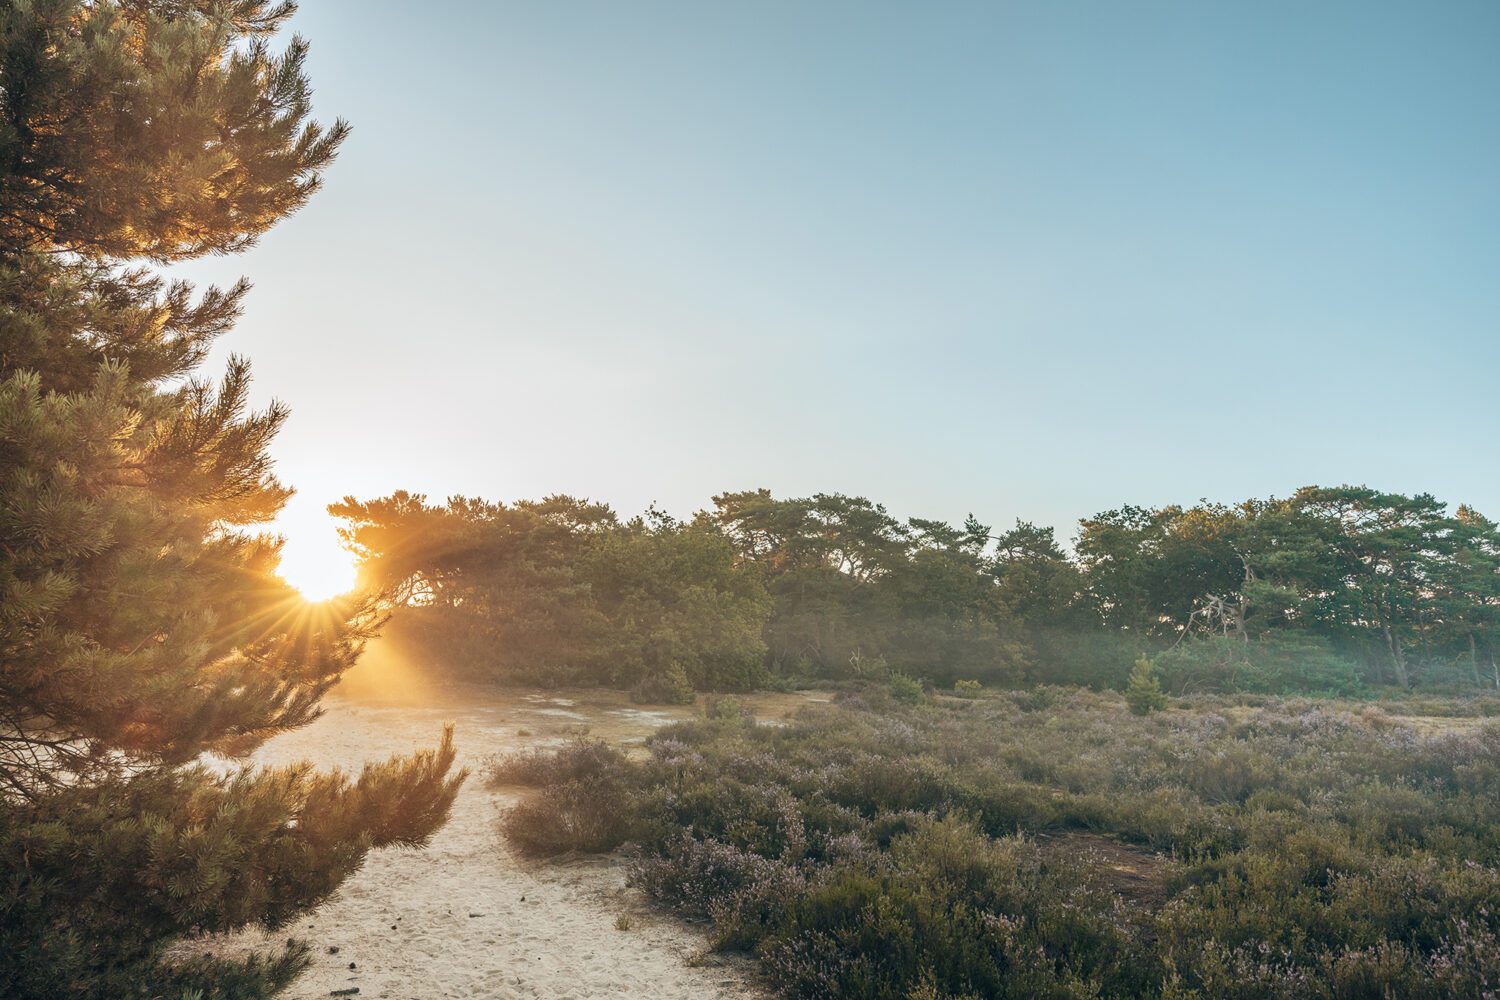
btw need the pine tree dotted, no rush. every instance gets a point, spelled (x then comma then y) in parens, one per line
(141, 621)
(1143, 691)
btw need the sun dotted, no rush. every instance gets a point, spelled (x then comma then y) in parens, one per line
(315, 564)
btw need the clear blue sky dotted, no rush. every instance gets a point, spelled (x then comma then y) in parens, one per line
(1026, 260)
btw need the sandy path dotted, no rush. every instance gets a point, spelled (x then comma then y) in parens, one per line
(465, 918)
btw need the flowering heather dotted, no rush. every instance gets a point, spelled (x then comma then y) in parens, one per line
(1049, 843)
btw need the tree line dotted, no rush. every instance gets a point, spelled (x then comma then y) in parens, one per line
(1328, 590)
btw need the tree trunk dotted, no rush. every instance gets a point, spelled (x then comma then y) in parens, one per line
(1244, 603)
(1398, 658)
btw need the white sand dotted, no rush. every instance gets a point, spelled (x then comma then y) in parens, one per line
(470, 918)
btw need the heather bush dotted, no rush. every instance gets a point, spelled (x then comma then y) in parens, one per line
(580, 759)
(590, 815)
(584, 801)
(1256, 847)
(957, 913)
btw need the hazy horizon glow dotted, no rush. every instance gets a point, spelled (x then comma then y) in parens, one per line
(1024, 260)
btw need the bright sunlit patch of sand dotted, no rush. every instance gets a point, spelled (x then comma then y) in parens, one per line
(313, 561)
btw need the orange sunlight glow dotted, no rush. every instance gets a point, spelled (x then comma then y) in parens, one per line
(315, 564)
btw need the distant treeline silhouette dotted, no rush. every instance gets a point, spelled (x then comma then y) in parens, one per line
(1331, 589)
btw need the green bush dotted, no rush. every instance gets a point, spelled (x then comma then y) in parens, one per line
(726, 708)
(669, 688)
(1143, 692)
(1278, 663)
(1088, 657)
(967, 689)
(905, 689)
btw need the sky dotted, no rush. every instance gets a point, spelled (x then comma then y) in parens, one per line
(1026, 260)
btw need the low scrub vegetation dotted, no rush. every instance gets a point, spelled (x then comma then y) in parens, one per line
(578, 805)
(1051, 843)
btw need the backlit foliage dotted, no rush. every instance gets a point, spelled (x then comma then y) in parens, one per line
(141, 623)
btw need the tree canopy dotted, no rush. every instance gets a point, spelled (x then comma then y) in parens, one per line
(1330, 589)
(563, 590)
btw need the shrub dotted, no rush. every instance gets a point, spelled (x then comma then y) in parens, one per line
(955, 913)
(1093, 658)
(580, 759)
(1277, 663)
(1232, 774)
(688, 875)
(1143, 692)
(588, 815)
(761, 817)
(874, 848)
(726, 709)
(905, 689)
(743, 893)
(669, 688)
(585, 803)
(967, 689)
